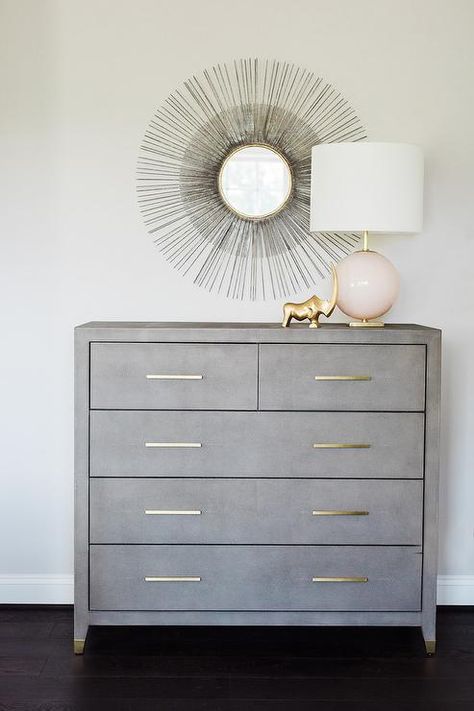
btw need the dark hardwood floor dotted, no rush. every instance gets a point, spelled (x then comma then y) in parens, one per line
(269, 669)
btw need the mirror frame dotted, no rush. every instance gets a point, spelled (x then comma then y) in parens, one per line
(266, 215)
(246, 102)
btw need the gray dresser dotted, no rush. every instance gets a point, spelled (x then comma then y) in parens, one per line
(246, 474)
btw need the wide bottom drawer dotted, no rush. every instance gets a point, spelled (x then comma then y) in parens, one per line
(246, 577)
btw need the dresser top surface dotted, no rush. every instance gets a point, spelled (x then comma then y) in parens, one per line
(219, 326)
(215, 332)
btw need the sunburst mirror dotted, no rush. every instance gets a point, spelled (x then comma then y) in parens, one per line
(223, 177)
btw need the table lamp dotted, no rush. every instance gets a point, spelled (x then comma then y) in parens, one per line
(366, 187)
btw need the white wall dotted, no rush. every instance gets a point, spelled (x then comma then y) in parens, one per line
(80, 80)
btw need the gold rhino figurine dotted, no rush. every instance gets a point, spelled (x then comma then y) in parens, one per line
(313, 308)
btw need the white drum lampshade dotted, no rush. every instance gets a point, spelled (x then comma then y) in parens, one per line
(367, 187)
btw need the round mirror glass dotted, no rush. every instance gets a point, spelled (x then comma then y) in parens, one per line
(255, 181)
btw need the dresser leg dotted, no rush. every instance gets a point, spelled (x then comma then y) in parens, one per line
(428, 629)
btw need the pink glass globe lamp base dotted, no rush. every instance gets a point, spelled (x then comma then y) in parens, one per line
(368, 287)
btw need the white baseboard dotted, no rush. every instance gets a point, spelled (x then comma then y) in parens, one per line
(455, 590)
(59, 589)
(36, 589)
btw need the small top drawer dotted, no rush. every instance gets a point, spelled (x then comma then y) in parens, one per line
(169, 376)
(342, 377)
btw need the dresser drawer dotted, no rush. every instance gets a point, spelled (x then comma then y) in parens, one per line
(342, 377)
(265, 511)
(254, 578)
(175, 376)
(276, 444)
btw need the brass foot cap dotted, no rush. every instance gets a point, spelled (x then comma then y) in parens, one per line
(430, 646)
(79, 646)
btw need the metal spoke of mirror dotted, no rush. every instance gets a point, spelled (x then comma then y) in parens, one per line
(224, 173)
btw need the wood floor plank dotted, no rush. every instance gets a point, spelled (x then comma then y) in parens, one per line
(361, 690)
(24, 665)
(116, 704)
(25, 630)
(119, 704)
(65, 689)
(35, 613)
(114, 666)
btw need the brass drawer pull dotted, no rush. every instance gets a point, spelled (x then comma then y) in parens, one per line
(342, 377)
(173, 444)
(340, 513)
(341, 580)
(171, 512)
(173, 377)
(172, 579)
(340, 445)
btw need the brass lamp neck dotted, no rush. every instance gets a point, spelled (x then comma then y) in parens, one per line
(366, 241)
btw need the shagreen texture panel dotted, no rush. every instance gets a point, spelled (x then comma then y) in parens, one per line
(333, 377)
(249, 474)
(174, 376)
(278, 444)
(255, 578)
(283, 511)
